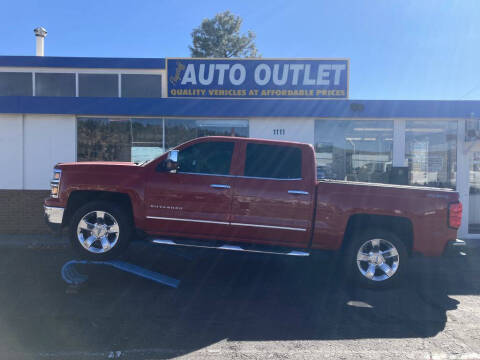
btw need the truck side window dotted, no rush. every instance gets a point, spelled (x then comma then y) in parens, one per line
(273, 161)
(213, 157)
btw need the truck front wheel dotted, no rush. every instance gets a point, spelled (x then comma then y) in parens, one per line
(100, 230)
(376, 259)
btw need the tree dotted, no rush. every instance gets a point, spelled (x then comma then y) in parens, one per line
(220, 37)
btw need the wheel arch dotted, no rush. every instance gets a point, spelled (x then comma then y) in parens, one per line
(79, 198)
(398, 225)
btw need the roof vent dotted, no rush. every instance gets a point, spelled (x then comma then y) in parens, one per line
(40, 34)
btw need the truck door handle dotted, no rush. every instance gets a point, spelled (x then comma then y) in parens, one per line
(298, 192)
(220, 186)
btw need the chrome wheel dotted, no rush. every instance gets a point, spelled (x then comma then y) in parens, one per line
(378, 259)
(98, 232)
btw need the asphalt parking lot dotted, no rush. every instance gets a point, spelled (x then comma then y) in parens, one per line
(231, 305)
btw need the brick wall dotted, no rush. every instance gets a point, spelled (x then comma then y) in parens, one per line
(21, 212)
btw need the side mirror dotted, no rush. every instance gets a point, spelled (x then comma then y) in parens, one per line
(172, 156)
(171, 162)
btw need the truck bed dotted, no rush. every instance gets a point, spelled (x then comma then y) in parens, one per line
(424, 209)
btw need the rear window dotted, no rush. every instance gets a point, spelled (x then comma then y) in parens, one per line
(273, 161)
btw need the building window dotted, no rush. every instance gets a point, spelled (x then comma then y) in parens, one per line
(115, 139)
(142, 139)
(147, 139)
(356, 150)
(98, 85)
(103, 139)
(141, 86)
(431, 150)
(54, 84)
(272, 161)
(16, 84)
(178, 131)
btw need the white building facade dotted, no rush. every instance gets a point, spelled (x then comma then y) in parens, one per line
(81, 109)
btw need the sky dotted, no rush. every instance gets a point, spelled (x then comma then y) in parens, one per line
(422, 49)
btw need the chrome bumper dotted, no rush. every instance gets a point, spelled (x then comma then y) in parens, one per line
(455, 247)
(54, 215)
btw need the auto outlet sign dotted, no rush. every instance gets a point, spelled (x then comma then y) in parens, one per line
(258, 78)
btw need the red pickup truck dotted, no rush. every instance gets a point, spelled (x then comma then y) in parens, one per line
(253, 195)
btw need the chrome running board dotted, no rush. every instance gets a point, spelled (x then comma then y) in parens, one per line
(269, 250)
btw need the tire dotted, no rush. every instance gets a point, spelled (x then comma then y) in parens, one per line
(376, 259)
(100, 230)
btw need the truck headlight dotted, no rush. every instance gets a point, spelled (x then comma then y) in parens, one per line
(55, 183)
(54, 191)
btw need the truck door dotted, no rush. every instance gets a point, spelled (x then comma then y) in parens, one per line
(197, 199)
(273, 199)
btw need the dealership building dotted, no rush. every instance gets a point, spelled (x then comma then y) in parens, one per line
(59, 109)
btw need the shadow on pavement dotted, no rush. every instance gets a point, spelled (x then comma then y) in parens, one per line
(222, 297)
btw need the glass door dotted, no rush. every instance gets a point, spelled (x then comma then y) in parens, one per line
(474, 194)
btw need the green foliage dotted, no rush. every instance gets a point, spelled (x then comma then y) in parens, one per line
(220, 37)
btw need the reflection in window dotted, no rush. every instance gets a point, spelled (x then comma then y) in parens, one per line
(16, 84)
(147, 139)
(111, 139)
(54, 84)
(356, 150)
(431, 150)
(178, 131)
(141, 139)
(103, 139)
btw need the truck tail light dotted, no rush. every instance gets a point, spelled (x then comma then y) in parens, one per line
(455, 215)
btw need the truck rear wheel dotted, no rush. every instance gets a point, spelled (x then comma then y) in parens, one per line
(100, 230)
(376, 259)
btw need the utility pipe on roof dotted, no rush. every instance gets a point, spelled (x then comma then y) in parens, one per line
(40, 34)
